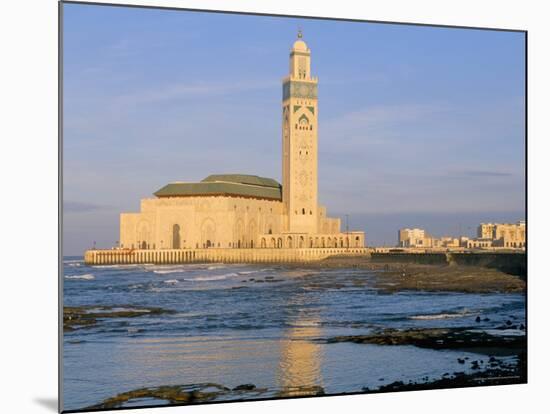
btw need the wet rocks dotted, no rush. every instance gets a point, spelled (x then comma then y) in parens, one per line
(78, 317)
(180, 394)
(498, 374)
(244, 387)
(437, 338)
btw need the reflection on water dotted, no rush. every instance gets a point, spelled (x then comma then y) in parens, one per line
(299, 370)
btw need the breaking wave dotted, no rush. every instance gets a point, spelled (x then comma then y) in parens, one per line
(212, 278)
(440, 316)
(87, 276)
(168, 271)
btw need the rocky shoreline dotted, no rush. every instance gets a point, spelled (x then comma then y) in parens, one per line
(394, 277)
(202, 393)
(489, 370)
(496, 373)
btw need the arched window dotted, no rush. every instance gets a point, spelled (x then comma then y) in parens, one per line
(176, 238)
(303, 211)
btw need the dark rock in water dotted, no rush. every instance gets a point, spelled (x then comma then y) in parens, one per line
(492, 359)
(446, 374)
(513, 374)
(259, 281)
(522, 327)
(251, 279)
(244, 280)
(486, 319)
(436, 338)
(181, 394)
(244, 387)
(175, 394)
(460, 361)
(508, 322)
(269, 277)
(78, 317)
(478, 319)
(380, 379)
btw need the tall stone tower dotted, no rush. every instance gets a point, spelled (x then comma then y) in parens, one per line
(300, 142)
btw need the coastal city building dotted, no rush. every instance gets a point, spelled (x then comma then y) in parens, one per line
(413, 238)
(239, 211)
(489, 236)
(503, 234)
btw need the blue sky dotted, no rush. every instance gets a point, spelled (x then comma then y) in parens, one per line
(419, 126)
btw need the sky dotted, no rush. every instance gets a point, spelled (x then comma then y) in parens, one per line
(418, 126)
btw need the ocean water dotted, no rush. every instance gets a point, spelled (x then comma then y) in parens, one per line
(256, 324)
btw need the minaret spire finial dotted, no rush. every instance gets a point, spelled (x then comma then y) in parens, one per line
(299, 32)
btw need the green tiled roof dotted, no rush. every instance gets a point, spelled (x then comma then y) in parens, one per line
(243, 179)
(238, 185)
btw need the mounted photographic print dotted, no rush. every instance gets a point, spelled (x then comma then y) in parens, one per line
(262, 207)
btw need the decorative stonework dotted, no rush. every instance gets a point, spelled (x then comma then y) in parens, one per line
(298, 89)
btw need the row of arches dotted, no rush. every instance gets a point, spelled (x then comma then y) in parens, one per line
(291, 242)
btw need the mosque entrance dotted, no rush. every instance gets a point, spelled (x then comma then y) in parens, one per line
(176, 240)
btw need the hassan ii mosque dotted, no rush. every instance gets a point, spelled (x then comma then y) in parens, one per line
(237, 211)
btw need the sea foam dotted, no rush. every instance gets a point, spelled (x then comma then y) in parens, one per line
(213, 278)
(440, 316)
(87, 276)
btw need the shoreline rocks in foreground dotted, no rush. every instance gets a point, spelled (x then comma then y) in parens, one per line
(201, 393)
(497, 373)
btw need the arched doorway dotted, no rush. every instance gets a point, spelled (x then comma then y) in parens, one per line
(176, 238)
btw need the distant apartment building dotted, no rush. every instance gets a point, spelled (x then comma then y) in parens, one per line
(485, 230)
(503, 234)
(413, 238)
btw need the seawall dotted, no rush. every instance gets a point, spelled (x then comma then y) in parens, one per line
(511, 263)
(176, 256)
